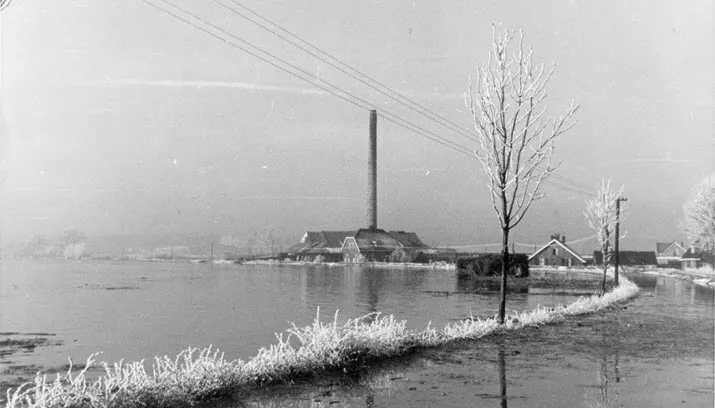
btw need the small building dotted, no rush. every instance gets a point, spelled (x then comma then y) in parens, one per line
(371, 245)
(695, 258)
(628, 258)
(669, 253)
(363, 245)
(556, 253)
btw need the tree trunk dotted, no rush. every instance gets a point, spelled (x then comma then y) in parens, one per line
(504, 270)
(605, 268)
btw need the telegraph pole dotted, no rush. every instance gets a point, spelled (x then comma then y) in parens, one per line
(618, 221)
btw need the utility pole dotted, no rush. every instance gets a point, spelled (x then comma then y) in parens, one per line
(618, 221)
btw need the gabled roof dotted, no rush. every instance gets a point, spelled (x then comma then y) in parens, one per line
(562, 245)
(408, 240)
(661, 247)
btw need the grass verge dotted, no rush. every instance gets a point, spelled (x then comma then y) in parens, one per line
(197, 375)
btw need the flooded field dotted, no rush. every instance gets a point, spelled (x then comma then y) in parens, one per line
(655, 351)
(133, 311)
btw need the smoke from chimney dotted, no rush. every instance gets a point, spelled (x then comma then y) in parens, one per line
(372, 174)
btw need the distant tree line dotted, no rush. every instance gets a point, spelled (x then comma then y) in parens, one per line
(69, 245)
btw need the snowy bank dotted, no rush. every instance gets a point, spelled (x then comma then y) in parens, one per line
(202, 374)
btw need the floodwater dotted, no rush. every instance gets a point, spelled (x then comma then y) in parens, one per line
(655, 351)
(136, 311)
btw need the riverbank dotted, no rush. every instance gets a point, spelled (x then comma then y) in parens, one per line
(701, 277)
(203, 374)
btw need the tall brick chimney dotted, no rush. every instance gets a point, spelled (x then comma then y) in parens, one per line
(372, 173)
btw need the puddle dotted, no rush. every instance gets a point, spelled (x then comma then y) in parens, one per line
(14, 349)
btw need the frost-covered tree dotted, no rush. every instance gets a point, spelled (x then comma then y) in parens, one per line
(73, 244)
(699, 212)
(601, 216)
(232, 241)
(516, 137)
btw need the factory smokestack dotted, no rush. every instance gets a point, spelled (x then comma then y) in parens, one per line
(372, 173)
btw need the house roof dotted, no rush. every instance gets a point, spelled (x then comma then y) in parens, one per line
(408, 240)
(629, 258)
(661, 247)
(562, 245)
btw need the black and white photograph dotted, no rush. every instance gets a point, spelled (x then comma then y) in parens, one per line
(380, 203)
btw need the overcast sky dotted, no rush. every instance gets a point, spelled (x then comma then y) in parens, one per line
(120, 118)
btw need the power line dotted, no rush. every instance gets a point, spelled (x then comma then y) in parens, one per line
(362, 77)
(570, 181)
(362, 102)
(569, 188)
(366, 104)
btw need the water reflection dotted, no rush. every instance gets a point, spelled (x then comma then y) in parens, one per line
(577, 364)
(472, 285)
(608, 393)
(375, 285)
(370, 284)
(674, 290)
(502, 375)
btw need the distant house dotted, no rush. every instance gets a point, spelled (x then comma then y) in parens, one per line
(674, 249)
(628, 258)
(669, 253)
(556, 253)
(695, 258)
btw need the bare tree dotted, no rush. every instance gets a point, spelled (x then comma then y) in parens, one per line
(232, 241)
(699, 212)
(251, 242)
(73, 244)
(516, 136)
(269, 239)
(601, 216)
